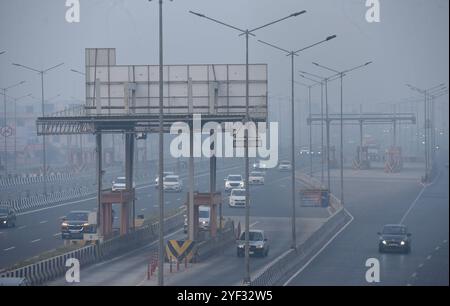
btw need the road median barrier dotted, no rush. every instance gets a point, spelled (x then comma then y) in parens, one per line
(212, 246)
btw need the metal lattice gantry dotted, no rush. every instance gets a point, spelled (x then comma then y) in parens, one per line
(93, 124)
(365, 118)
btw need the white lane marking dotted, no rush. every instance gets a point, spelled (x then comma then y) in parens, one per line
(421, 266)
(253, 224)
(9, 249)
(321, 250)
(417, 199)
(21, 227)
(57, 234)
(429, 257)
(43, 222)
(414, 275)
(409, 285)
(34, 241)
(437, 248)
(445, 241)
(143, 209)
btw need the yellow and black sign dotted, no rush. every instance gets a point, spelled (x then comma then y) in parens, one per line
(179, 250)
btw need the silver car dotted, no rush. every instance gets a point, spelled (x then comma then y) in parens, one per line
(259, 244)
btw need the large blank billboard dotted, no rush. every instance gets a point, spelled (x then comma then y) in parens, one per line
(215, 89)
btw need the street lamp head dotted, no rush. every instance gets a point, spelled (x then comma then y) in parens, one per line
(298, 13)
(198, 14)
(331, 37)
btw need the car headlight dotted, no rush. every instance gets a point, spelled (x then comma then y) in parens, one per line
(241, 184)
(241, 246)
(402, 243)
(4, 221)
(384, 241)
(259, 246)
(64, 224)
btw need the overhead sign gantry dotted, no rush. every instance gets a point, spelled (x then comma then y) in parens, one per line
(125, 99)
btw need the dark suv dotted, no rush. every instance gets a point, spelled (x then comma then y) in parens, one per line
(7, 217)
(394, 237)
(76, 224)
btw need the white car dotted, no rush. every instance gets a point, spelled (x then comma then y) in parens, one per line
(204, 215)
(120, 184)
(237, 198)
(260, 165)
(256, 178)
(258, 242)
(165, 173)
(172, 183)
(304, 151)
(234, 181)
(285, 165)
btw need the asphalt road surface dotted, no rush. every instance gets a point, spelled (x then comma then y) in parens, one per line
(423, 210)
(38, 231)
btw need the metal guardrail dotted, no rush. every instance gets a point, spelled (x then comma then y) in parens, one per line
(40, 200)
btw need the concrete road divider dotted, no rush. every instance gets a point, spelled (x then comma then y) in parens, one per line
(212, 246)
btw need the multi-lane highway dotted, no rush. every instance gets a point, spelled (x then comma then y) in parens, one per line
(423, 209)
(38, 230)
(372, 199)
(270, 211)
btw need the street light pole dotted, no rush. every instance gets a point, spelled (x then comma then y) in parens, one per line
(426, 93)
(292, 54)
(15, 129)
(247, 33)
(341, 76)
(321, 121)
(81, 135)
(5, 119)
(324, 82)
(44, 154)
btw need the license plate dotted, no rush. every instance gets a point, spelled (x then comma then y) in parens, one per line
(251, 252)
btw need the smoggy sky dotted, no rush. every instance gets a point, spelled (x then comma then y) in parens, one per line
(409, 45)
